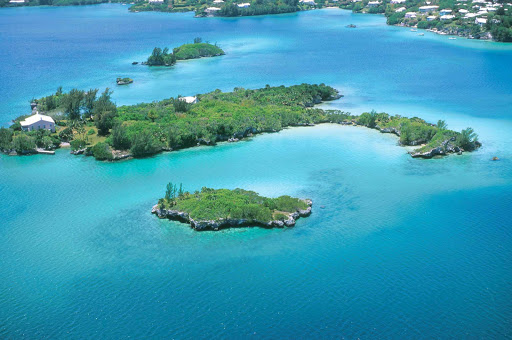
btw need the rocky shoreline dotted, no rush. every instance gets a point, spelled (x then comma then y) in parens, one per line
(447, 147)
(218, 224)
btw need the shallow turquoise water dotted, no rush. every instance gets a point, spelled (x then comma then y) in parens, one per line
(403, 248)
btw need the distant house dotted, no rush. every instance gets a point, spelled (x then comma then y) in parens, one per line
(445, 12)
(398, 1)
(17, 1)
(189, 99)
(245, 5)
(480, 21)
(374, 4)
(156, 1)
(431, 18)
(463, 11)
(308, 2)
(212, 10)
(399, 10)
(38, 122)
(470, 15)
(410, 15)
(447, 17)
(218, 1)
(428, 9)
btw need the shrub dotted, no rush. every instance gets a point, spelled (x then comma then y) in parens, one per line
(102, 151)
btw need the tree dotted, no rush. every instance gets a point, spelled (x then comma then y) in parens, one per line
(467, 138)
(23, 143)
(120, 140)
(152, 115)
(441, 124)
(144, 144)
(104, 111)
(198, 40)
(72, 103)
(88, 101)
(170, 192)
(5, 139)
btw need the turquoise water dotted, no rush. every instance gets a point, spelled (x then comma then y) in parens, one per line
(403, 248)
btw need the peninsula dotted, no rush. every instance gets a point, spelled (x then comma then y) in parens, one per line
(215, 209)
(162, 57)
(95, 126)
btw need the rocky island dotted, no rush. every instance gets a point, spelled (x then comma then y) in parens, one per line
(215, 209)
(124, 81)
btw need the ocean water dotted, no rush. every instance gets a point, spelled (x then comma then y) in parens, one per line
(395, 247)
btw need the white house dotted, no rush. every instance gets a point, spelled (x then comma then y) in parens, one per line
(428, 9)
(38, 122)
(401, 9)
(445, 12)
(156, 1)
(398, 1)
(212, 10)
(470, 15)
(431, 18)
(245, 5)
(480, 21)
(218, 1)
(189, 99)
(463, 11)
(374, 4)
(410, 15)
(447, 17)
(17, 1)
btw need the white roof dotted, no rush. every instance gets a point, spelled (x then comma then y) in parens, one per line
(470, 15)
(213, 9)
(447, 17)
(463, 11)
(429, 7)
(401, 9)
(481, 21)
(446, 10)
(189, 99)
(36, 118)
(245, 4)
(218, 1)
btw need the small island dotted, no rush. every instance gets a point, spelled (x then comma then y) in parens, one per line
(162, 57)
(215, 209)
(124, 81)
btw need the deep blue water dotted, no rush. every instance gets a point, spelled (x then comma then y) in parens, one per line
(403, 248)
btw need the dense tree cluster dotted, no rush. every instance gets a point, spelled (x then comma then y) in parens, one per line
(163, 57)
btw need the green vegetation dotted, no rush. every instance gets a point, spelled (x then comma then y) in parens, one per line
(196, 50)
(5, 3)
(215, 204)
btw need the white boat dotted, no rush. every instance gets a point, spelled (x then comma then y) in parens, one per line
(421, 34)
(413, 30)
(452, 38)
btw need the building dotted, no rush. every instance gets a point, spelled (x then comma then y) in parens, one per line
(245, 5)
(431, 18)
(447, 17)
(463, 11)
(428, 9)
(400, 10)
(410, 15)
(38, 122)
(374, 4)
(398, 1)
(212, 10)
(480, 21)
(156, 1)
(17, 1)
(445, 12)
(189, 99)
(218, 1)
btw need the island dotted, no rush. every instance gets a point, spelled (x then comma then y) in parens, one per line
(162, 57)
(95, 126)
(124, 81)
(215, 209)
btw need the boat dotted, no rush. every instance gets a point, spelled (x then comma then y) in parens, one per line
(351, 26)
(452, 38)
(135, 63)
(421, 34)
(413, 30)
